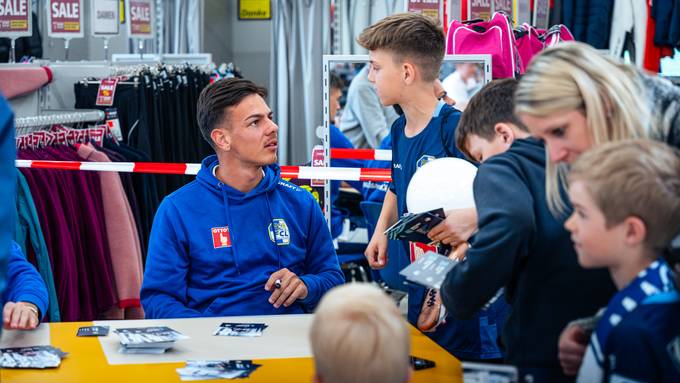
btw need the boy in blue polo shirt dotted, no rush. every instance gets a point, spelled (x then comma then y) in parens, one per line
(626, 199)
(406, 51)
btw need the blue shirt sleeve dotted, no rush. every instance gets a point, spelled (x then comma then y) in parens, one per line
(7, 185)
(164, 289)
(322, 270)
(24, 284)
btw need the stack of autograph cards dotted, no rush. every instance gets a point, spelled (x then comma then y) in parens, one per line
(429, 270)
(217, 369)
(147, 340)
(240, 329)
(31, 357)
(414, 227)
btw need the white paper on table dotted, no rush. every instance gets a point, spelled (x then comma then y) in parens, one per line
(22, 338)
(286, 337)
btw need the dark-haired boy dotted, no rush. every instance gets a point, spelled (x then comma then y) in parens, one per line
(406, 52)
(238, 240)
(519, 244)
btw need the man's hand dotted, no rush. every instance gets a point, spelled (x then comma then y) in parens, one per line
(376, 251)
(456, 228)
(572, 346)
(20, 316)
(291, 288)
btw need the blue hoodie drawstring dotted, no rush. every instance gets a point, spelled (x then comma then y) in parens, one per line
(271, 220)
(232, 235)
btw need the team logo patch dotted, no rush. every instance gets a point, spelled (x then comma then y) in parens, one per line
(279, 234)
(221, 237)
(423, 160)
(673, 349)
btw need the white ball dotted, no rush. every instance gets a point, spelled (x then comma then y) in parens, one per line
(442, 183)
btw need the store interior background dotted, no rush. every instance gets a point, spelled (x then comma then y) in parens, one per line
(284, 54)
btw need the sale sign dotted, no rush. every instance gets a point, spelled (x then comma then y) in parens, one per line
(104, 20)
(504, 6)
(15, 18)
(318, 162)
(65, 19)
(140, 14)
(106, 92)
(479, 9)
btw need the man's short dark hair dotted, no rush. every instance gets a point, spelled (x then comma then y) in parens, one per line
(336, 82)
(493, 103)
(217, 97)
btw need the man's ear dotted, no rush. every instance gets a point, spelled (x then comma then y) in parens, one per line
(635, 231)
(221, 138)
(505, 133)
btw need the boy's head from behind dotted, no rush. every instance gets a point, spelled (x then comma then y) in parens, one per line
(358, 335)
(405, 48)
(626, 198)
(489, 125)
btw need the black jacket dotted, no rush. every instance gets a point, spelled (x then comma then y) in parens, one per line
(522, 247)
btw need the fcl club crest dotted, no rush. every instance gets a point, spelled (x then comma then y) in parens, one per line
(221, 237)
(423, 160)
(279, 233)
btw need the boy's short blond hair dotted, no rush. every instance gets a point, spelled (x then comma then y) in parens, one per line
(411, 36)
(358, 335)
(638, 178)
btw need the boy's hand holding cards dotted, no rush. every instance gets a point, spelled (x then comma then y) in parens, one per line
(240, 329)
(429, 270)
(414, 227)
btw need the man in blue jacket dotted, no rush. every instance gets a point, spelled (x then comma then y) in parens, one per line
(238, 240)
(24, 301)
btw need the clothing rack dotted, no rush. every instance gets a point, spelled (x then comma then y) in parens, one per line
(59, 117)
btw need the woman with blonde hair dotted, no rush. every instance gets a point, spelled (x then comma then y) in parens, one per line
(574, 98)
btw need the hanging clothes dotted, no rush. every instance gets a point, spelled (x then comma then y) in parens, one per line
(69, 208)
(123, 239)
(28, 231)
(630, 30)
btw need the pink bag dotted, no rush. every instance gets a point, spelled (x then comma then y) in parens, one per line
(492, 37)
(528, 43)
(556, 34)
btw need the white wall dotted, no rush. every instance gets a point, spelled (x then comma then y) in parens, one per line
(246, 43)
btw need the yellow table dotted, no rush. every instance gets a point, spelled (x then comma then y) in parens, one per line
(86, 362)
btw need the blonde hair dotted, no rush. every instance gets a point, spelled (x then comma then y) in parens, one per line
(414, 36)
(575, 76)
(358, 335)
(638, 178)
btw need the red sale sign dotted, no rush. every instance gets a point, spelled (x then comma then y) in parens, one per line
(479, 9)
(106, 92)
(141, 16)
(15, 18)
(65, 19)
(317, 161)
(430, 8)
